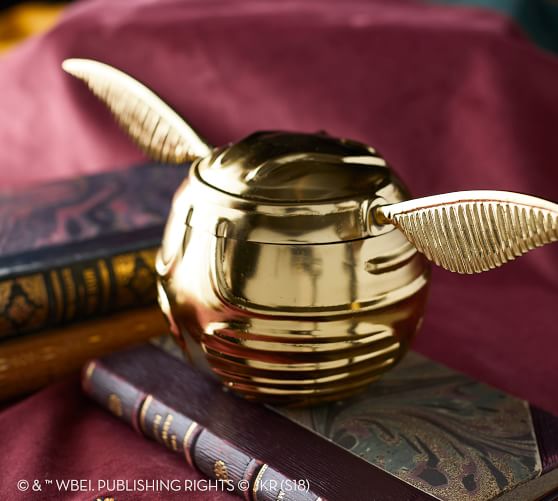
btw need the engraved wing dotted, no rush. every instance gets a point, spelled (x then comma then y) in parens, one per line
(473, 231)
(158, 130)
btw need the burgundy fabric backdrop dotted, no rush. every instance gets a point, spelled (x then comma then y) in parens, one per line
(454, 98)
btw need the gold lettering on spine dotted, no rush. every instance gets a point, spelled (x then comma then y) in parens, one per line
(143, 412)
(156, 424)
(166, 427)
(220, 470)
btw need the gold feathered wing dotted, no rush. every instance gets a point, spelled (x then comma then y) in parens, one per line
(158, 130)
(473, 231)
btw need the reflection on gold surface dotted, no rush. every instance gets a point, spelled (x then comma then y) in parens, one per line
(267, 265)
(269, 270)
(286, 267)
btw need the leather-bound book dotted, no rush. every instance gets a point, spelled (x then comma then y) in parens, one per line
(31, 362)
(82, 247)
(423, 432)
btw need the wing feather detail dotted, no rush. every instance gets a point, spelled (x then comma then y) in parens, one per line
(473, 231)
(157, 129)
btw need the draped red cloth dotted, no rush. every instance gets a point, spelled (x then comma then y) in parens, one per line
(454, 98)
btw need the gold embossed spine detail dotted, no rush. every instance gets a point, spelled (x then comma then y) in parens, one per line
(114, 404)
(83, 290)
(220, 470)
(24, 303)
(122, 399)
(161, 411)
(471, 232)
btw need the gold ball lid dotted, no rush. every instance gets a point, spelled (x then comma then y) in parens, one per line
(290, 188)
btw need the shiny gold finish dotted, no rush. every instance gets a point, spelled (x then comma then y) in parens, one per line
(154, 126)
(282, 269)
(321, 195)
(473, 231)
(274, 281)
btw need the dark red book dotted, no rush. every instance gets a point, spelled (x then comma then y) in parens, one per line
(423, 432)
(263, 456)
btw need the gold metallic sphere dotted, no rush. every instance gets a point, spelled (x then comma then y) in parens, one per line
(272, 278)
(289, 266)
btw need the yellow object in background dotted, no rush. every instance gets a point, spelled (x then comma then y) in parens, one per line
(25, 20)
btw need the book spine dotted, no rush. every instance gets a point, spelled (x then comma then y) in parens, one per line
(234, 470)
(31, 362)
(82, 290)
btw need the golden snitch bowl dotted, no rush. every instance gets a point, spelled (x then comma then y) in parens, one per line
(290, 265)
(270, 278)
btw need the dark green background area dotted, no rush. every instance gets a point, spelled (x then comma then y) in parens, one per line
(538, 18)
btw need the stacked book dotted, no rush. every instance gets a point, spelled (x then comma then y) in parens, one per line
(77, 275)
(422, 432)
